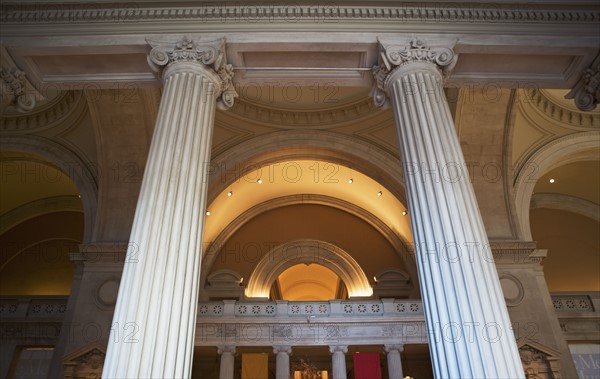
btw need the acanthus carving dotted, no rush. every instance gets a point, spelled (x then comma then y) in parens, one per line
(13, 90)
(210, 54)
(85, 363)
(539, 362)
(586, 92)
(394, 56)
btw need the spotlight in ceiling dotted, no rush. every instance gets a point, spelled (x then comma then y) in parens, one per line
(350, 181)
(551, 180)
(230, 193)
(208, 213)
(404, 212)
(259, 181)
(379, 193)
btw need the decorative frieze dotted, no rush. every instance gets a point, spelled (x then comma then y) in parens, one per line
(46, 308)
(294, 12)
(311, 309)
(572, 303)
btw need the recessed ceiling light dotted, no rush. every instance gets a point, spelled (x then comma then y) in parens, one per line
(259, 181)
(379, 193)
(208, 213)
(404, 212)
(551, 180)
(350, 181)
(230, 193)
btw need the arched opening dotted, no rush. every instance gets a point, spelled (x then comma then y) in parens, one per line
(564, 220)
(42, 223)
(308, 282)
(292, 253)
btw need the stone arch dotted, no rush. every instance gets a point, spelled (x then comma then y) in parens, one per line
(307, 251)
(568, 149)
(359, 155)
(395, 239)
(80, 172)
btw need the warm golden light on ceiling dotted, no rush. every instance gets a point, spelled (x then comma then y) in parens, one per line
(304, 178)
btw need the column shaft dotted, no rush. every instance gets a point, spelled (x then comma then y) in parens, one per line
(338, 361)
(152, 335)
(282, 368)
(394, 362)
(227, 362)
(469, 329)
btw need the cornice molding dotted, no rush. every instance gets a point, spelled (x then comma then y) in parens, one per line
(566, 117)
(221, 13)
(69, 103)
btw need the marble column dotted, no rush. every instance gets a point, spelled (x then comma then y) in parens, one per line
(282, 368)
(393, 361)
(469, 330)
(338, 361)
(227, 361)
(152, 334)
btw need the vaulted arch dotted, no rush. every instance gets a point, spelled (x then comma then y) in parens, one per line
(307, 251)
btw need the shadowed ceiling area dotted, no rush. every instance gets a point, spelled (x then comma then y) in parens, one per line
(41, 223)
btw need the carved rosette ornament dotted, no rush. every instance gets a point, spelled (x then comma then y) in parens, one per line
(12, 84)
(392, 57)
(210, 54)
(586, 92)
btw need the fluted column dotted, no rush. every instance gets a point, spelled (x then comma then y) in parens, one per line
(282, 368)
(338, 361)
(469, 329)
(152, 334)
(393, 361)
(227, 361)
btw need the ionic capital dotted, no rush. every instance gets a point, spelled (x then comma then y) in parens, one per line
(586, 92)
(395, 56)
(226, 349)
(390, 348)
(209, 54)
(12, 87)
(338, 348)
(282, 349)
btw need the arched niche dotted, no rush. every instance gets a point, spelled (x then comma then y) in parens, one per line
(307, 251)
